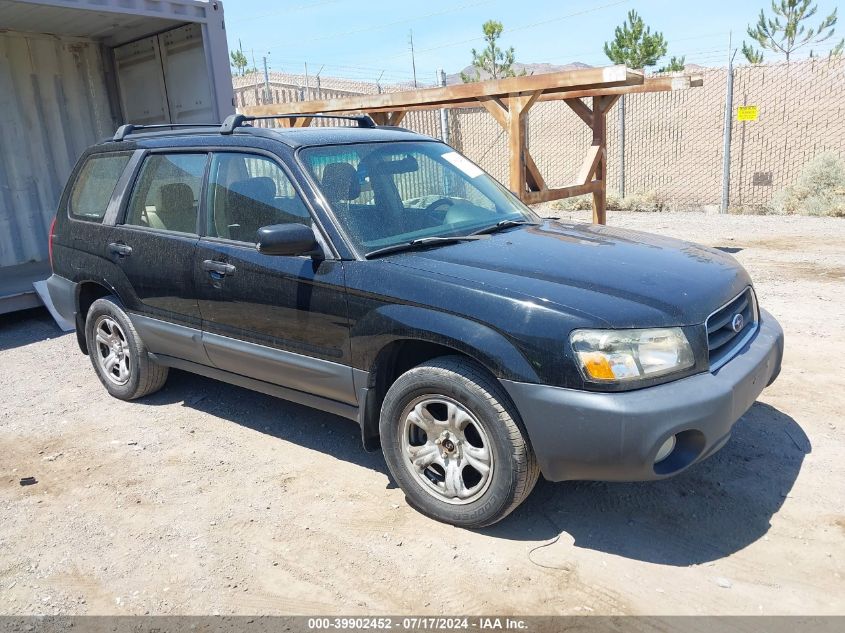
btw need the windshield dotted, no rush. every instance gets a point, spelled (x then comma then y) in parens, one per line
(392, 193)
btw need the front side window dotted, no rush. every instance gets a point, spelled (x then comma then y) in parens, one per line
(247, 192)
(390, 193)
(95, 184)
(167, 191)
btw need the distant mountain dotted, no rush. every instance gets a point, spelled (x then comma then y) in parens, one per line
(530, 69)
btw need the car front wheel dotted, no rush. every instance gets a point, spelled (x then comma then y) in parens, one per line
(455, 444)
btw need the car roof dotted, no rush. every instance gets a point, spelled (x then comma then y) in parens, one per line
(291, 137)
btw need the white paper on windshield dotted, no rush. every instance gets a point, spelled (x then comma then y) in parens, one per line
(463, 164)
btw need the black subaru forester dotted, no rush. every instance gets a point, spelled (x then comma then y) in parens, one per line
(379, 275)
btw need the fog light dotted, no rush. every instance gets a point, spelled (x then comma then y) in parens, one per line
(665, 450)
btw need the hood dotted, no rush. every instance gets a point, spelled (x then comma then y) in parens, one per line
(622, 278)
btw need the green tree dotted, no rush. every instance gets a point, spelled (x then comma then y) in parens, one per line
(785, 32)
(753, 55)
(674, 65)
(239, 61)
(634, 44)
(494, 61)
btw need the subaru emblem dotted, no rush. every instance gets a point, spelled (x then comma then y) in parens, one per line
(737, 322)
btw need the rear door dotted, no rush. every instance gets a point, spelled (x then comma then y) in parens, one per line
(278, 319)
(153, 249)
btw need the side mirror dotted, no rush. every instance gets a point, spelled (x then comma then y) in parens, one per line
(287, 239)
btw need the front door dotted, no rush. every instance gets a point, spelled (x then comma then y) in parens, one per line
(278, 319)
(153, 250)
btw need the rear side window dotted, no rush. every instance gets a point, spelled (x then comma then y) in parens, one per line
(95, 184)
(167, 191)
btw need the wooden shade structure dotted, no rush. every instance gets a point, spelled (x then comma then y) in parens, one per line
(509, 101)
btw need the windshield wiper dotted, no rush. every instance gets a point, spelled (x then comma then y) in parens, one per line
(504, 224)
(421, 243)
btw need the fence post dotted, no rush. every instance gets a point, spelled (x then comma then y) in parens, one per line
(266, 82)
(726, 148)
(622, 146)
(444, 115)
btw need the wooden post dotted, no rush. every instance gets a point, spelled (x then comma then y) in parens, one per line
(600, 144)
(518, 107)
(516, 142)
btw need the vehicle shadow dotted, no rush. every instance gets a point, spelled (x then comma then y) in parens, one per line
(27, 326)
(272, 416)
(710, 511)
(714, 509)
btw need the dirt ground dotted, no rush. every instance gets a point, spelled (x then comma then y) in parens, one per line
(207, 498)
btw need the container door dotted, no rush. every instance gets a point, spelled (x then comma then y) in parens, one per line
(143, 95)
(185, 75)
(164, 78)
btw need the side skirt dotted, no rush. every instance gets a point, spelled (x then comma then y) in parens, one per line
(315, 402)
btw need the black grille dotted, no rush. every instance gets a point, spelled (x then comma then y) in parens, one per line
(723, 340)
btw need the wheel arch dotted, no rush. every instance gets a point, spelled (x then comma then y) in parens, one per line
(87, 292)
(399, 338)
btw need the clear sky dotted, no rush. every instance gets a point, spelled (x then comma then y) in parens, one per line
(361, 39)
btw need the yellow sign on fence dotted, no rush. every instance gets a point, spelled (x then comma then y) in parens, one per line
(746, 113)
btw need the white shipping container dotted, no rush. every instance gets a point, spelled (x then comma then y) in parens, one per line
(71, 71)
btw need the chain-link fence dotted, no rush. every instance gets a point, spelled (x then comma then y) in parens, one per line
(673, 147)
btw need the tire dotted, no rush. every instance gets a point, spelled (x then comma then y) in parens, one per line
(133, 374)
(442, 415)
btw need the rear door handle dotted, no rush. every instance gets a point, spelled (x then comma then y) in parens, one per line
(121, 250)
(221, 268)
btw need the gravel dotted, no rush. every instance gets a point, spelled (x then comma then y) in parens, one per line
(207, 498)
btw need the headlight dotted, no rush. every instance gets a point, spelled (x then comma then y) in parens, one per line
(627, 355)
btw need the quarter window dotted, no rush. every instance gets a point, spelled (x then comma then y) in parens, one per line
(95, 185)
(167, 191)
(246, 192)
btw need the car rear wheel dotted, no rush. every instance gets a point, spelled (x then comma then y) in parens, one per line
(118, 354)
(455, 445)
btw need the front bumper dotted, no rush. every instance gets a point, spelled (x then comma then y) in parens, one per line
(616, 436)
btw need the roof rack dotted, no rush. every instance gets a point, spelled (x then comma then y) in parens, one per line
(238, 120)
(128, 128)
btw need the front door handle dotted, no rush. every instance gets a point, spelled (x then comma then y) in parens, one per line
(221, 268)
(121, 250)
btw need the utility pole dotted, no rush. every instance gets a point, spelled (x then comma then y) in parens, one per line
(378, 82)
(307, 84)
(319, 90)
(444, 115)
(266, 82)
(413, 60)
(726, 147)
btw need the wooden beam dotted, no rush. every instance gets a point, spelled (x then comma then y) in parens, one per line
(581, 109)
(606, 102)
(652, 84)
(590, 164)
(396, 117)
(302, 121)
(534, 178)
(497, 109)
(548, 195)
(585, 78)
